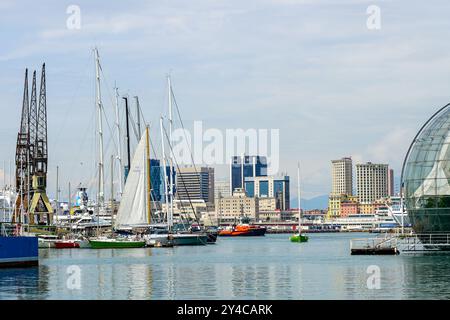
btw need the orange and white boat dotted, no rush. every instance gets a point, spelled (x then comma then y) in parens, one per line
(243, 230)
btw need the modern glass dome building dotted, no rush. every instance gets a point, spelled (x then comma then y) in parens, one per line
(426, 176)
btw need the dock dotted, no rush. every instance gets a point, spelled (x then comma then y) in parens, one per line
(375, 246)
(392, 244)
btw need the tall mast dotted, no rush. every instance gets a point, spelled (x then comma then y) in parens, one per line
(119, 142)
(149, 190)
(169, 84)
(101, 174)
(138, 115)
(298, 195)
(166, 193)
(57, 190)
(127, 137)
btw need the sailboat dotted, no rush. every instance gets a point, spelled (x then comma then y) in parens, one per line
(131, 204)
(299, 237)
(134, 208)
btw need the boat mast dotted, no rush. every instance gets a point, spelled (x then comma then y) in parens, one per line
(138, 115)
(298, 195)
(127, 138)
(101, 174)
(119, 142)
(112, 190)
(166, 193)
(57, 191)
(149, 190)
(169, 84)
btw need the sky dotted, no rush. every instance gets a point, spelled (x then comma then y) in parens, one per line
(312, 69)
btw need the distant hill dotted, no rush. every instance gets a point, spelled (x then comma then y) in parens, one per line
(319, 202)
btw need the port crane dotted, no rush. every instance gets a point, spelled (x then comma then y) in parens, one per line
(32, 204)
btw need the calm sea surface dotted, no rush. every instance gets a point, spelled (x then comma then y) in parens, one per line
(267, 267)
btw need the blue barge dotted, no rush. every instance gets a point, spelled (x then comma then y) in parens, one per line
(18, 252)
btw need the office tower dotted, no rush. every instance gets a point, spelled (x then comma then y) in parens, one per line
(270, 187)
(371, 182)
(242, 167)
(158, 181)
(221, 189)
(211, 183)
(193, 183)
(391, 189)
(342, 177)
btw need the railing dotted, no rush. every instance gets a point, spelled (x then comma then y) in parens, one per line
(425, 242)
(374, 243)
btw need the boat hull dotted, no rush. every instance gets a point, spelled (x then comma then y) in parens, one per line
(18, 252)
(46, 244)
(99, 244)
(189, 239)
(245, 233)
(299, 238)
(66, 244)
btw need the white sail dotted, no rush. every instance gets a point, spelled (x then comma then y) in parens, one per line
(437, 181)
(133, 209)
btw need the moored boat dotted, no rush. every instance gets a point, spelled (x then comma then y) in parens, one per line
(114, 243)
(19, 251)
(298, 237)
(66, 244)
(243, 230)
(189, 239)
(47, 241)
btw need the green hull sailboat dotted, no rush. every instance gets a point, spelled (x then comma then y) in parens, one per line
(299, 237)
(116, 243)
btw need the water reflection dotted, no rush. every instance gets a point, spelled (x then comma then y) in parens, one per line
(24, 283)
(265, 268)
(426, 276)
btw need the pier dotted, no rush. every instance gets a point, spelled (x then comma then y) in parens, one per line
(400, 243)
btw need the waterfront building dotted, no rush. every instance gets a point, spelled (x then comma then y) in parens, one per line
(193, 183)
(334, 205)
(367, 208)
(221, 189)
(371, 182)
(391, 190)
(242, 167)
(267, 204)
(239, 205)
(191, 210)
(342, 176)
(270, 187)
(426, 176)
(349, 207)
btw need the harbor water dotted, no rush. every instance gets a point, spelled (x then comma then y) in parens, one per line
(269, 267)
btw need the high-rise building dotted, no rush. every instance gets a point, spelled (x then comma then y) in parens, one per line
(391, 190)
(342, 177)
(211, 185)
(158, 181)
(270, 187)
(242, 167)
(193, 183)
(371, 182)
(221, 189)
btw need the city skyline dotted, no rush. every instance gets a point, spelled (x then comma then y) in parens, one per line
(331, 71)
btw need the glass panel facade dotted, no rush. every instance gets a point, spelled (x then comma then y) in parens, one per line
(250, 188)
(250, 166)
(263, 188)
(427, 177)
(157, 180)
